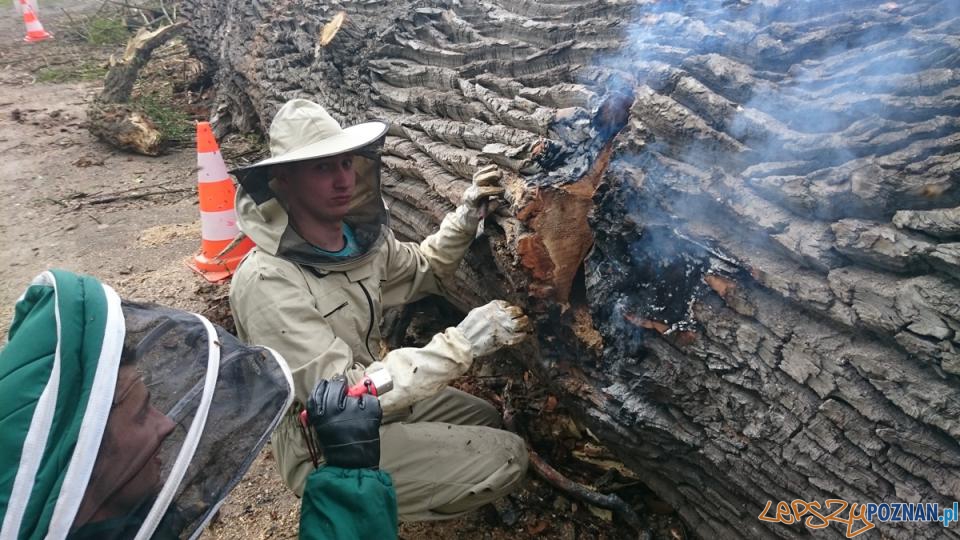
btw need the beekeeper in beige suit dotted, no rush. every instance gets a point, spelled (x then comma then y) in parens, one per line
(325, 266)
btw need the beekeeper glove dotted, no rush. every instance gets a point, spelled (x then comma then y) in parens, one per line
(348, 428)
(479, 200)
(493, 326)
(486, 184)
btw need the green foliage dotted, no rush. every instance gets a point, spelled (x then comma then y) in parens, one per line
(107, 30)
(81, 71)
(174, 124)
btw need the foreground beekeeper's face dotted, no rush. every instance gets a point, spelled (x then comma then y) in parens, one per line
(127, 470)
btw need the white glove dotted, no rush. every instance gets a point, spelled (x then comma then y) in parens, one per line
(486, 184)
(493, 326)
(480, 199)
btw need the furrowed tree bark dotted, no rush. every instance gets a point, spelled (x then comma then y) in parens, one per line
(736, 223)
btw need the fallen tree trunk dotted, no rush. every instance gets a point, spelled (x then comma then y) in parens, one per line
(735, 222)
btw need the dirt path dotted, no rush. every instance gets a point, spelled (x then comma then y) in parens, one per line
(55, 174)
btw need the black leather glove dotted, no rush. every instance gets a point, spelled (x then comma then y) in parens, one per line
(348, 428)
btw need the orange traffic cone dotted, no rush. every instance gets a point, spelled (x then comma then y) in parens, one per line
(219, 255)
(35, 31)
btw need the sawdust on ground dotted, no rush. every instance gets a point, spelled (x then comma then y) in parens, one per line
(164, 234)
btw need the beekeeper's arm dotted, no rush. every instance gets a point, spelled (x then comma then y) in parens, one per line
(279, 312)
(415, 270)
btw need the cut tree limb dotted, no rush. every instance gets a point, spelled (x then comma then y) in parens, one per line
(124, 70)
(110, 117)
(124, 127)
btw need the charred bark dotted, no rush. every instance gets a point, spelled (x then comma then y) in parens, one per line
(736, 222)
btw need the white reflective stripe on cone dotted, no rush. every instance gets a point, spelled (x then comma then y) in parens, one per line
(212, 168)
(30, 17)
(219, 225)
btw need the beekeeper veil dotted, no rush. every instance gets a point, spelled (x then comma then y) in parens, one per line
(125, 420)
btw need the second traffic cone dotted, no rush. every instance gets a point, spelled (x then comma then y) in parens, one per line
(218, 256)
(35, 31)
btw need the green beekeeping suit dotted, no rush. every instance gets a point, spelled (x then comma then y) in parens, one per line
(343, 503)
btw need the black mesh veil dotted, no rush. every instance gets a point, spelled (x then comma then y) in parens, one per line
(211, 403)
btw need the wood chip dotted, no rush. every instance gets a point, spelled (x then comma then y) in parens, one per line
(330, 29)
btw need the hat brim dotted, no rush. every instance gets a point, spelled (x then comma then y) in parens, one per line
(255, 178)
(351, 138)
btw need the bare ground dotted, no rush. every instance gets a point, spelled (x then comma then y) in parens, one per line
(56, 177)
(72, 202)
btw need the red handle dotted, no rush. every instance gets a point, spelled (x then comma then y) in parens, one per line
(363, 387)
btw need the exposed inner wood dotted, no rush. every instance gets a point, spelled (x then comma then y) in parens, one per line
(561, 235)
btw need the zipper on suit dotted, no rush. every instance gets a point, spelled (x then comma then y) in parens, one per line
(366, 341)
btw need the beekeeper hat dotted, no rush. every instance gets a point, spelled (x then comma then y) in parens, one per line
(303, 130)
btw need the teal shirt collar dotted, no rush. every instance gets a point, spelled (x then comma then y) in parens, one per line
(350, 246)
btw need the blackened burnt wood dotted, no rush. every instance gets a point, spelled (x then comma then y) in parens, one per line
(736, 222)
